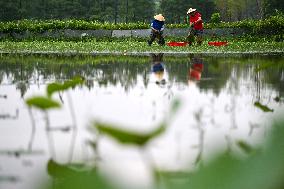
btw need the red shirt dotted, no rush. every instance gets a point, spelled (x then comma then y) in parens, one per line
(199, 25)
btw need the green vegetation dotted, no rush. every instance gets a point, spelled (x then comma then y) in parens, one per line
(124, 47)
(42, 103)
(272, 25)
(41, 26)
(100, 10)
(215, 18)
(45, 103)
(134, 11)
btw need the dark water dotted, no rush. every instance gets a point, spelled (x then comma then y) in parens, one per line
(218, 96)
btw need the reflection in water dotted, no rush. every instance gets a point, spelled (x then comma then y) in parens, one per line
(218, 106)
(196, 68)
(10, 116)
(9, 179)
(158, 68)
(3, 96)
(201, 132)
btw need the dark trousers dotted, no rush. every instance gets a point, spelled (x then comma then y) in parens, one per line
(191, 36)
(158, 35)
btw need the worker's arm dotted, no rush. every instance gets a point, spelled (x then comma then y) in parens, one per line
(153, 27)
(163, 27)
(199, 20)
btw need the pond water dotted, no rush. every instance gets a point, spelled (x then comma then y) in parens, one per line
(223, 101)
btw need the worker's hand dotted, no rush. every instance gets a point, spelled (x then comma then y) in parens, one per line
(154, 30)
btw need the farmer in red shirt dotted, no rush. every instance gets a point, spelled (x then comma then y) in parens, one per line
(196, 24)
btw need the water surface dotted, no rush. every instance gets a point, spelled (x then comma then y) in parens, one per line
(218, 96)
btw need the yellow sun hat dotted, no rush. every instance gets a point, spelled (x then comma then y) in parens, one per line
(159, 17)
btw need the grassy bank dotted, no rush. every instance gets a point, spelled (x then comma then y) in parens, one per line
(129, 47)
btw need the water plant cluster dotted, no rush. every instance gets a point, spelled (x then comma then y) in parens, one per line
(129, 47)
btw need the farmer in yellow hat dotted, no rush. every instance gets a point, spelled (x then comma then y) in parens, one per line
(157, 26)
(196, 23)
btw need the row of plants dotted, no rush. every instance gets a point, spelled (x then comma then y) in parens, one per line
(243, 38)
(130, 47)
(271, 25)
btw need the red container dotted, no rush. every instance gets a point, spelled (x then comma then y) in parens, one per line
(218, 43)
(177, 44)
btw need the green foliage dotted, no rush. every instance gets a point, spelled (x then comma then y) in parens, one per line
(273, 25)
(175, 11)
(215, 18)
(103, 11)
(42, 103)
(47, 25)
(128, 137)
(47, 103)
(57, 87)
(128, 47)
(74, 176)
(262, 107)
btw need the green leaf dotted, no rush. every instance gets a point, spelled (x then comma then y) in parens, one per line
(262, 107)
(74, 176)
(57, 87)
(42, 103)
(73, 83)
(128, 137)
(54, 87)
(245, 147)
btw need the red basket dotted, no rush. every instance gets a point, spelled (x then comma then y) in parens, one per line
(218, 43)
(177, 44)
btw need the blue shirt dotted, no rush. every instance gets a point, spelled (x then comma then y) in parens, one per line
(158, 25)
(158, 67)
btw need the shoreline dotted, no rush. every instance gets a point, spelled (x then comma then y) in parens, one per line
(145, 53)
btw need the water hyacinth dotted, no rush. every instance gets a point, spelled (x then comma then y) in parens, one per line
(93, 46)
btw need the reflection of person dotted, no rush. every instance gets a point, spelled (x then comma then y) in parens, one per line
(196, 24)
(158, 68)
(195, 71)
(157, 26)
